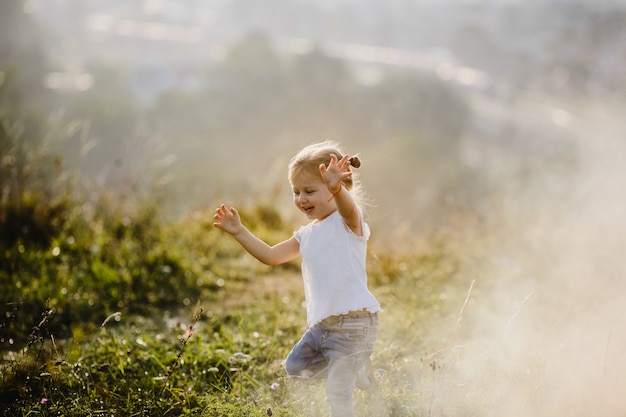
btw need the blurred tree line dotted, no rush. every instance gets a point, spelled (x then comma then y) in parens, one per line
(250, 111)
(231, 135)
(258, 107)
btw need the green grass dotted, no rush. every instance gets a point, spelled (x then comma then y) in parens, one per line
(214, 347)
(111, 310)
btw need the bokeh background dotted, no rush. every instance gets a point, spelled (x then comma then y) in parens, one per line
(448, 102)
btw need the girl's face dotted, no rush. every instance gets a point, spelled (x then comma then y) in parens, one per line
(310, 195)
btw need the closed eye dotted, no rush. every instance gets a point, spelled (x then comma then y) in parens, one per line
(306, 192)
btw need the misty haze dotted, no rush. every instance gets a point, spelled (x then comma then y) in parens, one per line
(492, 140)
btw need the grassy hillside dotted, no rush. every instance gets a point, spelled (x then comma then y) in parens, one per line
(110, 310)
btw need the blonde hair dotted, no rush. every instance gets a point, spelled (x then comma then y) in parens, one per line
(311, 157)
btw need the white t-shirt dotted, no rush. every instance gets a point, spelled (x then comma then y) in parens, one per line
(333, 268)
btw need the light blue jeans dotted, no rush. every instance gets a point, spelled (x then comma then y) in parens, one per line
(337, 349)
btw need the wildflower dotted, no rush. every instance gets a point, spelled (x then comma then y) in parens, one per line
(45, 401)
(240, 357)
(274, 386)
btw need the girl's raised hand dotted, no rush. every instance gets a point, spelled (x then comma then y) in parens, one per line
(227, 219)
(336, 171)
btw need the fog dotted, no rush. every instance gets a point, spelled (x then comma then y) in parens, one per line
(546, 332)
(468, 97)
(508, 111)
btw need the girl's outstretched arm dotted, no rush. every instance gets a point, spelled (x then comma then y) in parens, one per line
(228, 220)
(333, 176)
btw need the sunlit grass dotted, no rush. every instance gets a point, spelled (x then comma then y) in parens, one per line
(116, 311)
(131, 364)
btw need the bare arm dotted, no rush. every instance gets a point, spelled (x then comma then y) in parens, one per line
(346, 206)
(228, 220)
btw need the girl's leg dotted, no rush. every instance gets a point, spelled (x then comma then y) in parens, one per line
(342, 376)
(306, 359)
(348, 348)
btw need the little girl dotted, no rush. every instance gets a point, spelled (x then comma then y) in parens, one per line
(341, 311)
